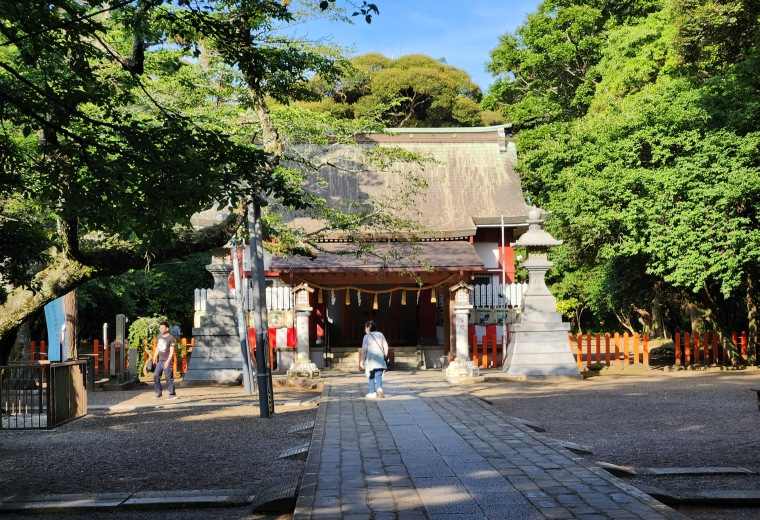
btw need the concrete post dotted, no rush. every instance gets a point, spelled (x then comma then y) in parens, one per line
(462, 366)
(302, 332)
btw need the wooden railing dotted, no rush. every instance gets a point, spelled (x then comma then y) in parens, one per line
(610, 349)
(707, 349)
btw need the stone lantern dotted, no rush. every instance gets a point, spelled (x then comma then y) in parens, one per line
(302, 367)
(462, 365)
(538, 347)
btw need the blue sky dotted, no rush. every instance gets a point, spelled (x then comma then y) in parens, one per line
(463, 32)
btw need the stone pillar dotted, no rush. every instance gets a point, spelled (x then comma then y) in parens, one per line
(462, 366)
(303, 366)
(302, 331)
(538, 348)
(216, 355)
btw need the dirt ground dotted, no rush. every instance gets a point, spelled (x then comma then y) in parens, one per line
(683, 419)
(176, 448)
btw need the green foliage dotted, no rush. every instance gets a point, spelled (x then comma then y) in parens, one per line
(413, 90)
(649, 158)
(166, 289)
(140, 331)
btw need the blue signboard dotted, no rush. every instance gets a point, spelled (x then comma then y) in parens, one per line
(55, 322)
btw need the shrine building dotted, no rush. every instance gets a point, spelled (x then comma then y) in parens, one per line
(471, 187)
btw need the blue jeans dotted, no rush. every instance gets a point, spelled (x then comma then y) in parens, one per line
(375, 378)
(168, 374)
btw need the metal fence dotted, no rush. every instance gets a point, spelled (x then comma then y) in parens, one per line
(42, 395)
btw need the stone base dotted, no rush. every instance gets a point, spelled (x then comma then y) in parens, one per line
(539, 350)
(303, 369)
(113, 385)
(462, 368)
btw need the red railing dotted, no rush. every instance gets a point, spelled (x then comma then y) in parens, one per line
(614, 350)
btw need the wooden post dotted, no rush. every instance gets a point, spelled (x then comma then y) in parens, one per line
(475, 349)
(607, 348)
(105, 358)
(617, 348)
(271, 356)
(744, 345)
(677, 343)
(494, 354)
(579, 360)
(635, 348)
(715, 348)
(598, 348)
(96, 354)
(32, 351)
(484, 352)
(727, 361)
(696, 349)
(626, 360)
(588, 349)
(706, 347)
(687, 349)
(646, 349)
(43, 350)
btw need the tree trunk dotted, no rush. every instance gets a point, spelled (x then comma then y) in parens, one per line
(751, 317)
(65, 274)
(20, 350)
(709, 308)
(695, 315)
(658, 323)
(70, 317)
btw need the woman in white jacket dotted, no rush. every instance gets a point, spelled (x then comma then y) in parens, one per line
(374, 352)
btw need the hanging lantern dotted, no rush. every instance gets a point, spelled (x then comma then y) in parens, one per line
(319, 297)
(348, 297)
(403, 297)
(432, 295)
(374, 304)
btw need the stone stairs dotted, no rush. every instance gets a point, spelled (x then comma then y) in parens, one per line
(346, 359)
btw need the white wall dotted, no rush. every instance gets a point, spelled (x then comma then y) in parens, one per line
(488, 253)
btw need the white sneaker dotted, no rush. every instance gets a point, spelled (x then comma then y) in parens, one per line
(373, 395)
(380, 393)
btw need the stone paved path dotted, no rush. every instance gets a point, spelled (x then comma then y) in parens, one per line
(432, 451)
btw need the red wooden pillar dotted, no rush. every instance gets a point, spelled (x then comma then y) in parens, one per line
(696, 349)
(484, 351)
(626, 358)
(646, 349)
(607, 348)
(96, 355)
(32, 351)
(494, 353)
(588, 349)
(677, 343)
(706, 347)
(687, 348)
(598, 348)
(744, 345)
(105, 356)
(475, 349)
(579, 359)
(715, 348)
(617, 348)
(43, 350)
(635, 347)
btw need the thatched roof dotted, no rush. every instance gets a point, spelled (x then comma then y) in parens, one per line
(471, 181)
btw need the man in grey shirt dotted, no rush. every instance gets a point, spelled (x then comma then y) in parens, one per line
(163, 360)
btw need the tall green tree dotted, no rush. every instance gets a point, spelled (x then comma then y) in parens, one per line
(654, 178)
(413, 90)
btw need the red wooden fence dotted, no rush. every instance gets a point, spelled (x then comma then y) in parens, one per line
(617, 350)
(704, 349)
